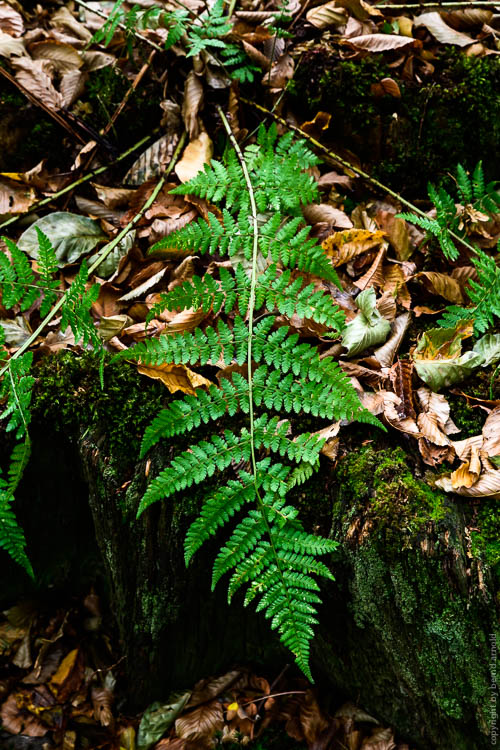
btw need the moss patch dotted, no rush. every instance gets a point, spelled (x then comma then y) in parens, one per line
(451, 117)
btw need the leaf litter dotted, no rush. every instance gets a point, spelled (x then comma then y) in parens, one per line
(393, 286)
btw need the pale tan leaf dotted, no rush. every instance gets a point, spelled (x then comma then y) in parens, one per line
(202, 722)
(397, 233)
(113, 326)
(374, 276)
(186, 320)
(102, 700)
(438, 405)
(140, 290)
(341, 247)
(175, 377)
(316, 212)
(441, 31)
(280, 74)
(386, 305)
(11, 22)
(15, 198)
(358, 8)
(196, 154)
(463, 447)
(34, 76)
(10, 46)
(468, 473)
(488, 485)
(491, 434)
(442, 284)
(429, 427)
(95, 60)
(331, 446)
(386, 353)
(381, 42)
(63, 57)
(327, 15)
(152, 162)
(71, 87)
(192, 103)
(113, 197)
(63, 19)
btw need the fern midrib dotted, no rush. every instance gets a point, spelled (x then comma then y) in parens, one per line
(251, 305)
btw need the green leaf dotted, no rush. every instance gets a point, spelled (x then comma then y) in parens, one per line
(158, 717)
(70, 235)
(368, 327)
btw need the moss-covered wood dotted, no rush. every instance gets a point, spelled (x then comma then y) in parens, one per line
(404, 630)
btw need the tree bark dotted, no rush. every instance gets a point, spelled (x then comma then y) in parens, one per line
(404, 630)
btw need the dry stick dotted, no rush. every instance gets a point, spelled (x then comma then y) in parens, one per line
(460, 4)
(79, 181)
(335, 157)
(106, 250)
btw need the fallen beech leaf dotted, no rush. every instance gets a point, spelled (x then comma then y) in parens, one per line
(192, 103)
(63, 57)
(196, 154)
(157, 718)
(441, 31)
(488, 485)
(442, 284)
(386, 353)
(102, 700)
(71, 236)
(212, 687)
(34, 75)
(15, 198)
(321, 121)
(468, 473)
(113, 325)
(491, 434)
(380, 739)
(16, 720)
(327, 15)
(374, 276)
(401, 378)
(202, 722)
(316, 212)
(280, 73)
(437, 404)
(140, 291)
(10, 46)
(359, 8)
(341, 247)
(68, 677)
(175, 377)
(386, 87)
(152, 162)
(16, 331)
(381, 42)
(11, 22)
(65, 20)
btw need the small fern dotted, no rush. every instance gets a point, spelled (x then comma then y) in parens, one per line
(474, 193)
(20, 288)
(261, 193)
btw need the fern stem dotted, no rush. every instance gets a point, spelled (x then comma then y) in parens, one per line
(251, 305)
(107, 249)
(361, 173)
(80, 181)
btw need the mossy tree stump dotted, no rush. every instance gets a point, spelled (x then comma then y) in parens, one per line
(404, 629)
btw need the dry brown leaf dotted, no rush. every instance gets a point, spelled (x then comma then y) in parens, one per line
(11, 22)
(438, 405)
(491, 434)
(429, 427)
(16, 720)
(175, 377)
(68, 677)
(397, 233)
(62, 56)
(280, 74)
(386, 87)
(15, 198)
(386, 353)
(441, 31)
(374, 275)
(468, 473)
(102, 700)
(63, 19)
(153, 161)
(382, 42)
(196, 154)
(34, 75)
(488, 485)
(316, 212)
(395, 282)
(312, 720)
(442, 284)
(72, 86)
(380, 739)
(202, 722)
(342, 247)
(327, 15)
(359, 8)
(468, 18)
(211, 687)
(192, 103)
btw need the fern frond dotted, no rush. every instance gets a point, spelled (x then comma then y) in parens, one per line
(16, 387)
(478, 184)
(47, 268)
(464, 185)
(12, 538)
(17, 280)
(75, 312)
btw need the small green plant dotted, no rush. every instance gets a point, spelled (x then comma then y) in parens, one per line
(20, 287)
(205, 33)
(260, 193)
(479, 201)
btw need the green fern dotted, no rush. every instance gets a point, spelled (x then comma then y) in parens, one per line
(483, 293)
(472, 192)
(268, 552)
(21, 288)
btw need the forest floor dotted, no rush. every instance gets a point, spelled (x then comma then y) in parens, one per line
(93, 117)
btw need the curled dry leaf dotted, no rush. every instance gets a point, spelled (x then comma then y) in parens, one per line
(386, 87)
(316, 212)
(17, 720)
(202, 722)
(175, 377)
(10, 46)
(488, 485)
(280, 73)
(386, 353)
(491, 434)
(367, 328)
(15, 198)
(442, 284)
(374, 275)
(34, 75)
(102, 700)
(152, 162)
(342, 247)
(63, 57)
(11, 22)
(196, 154)
(192, 103)
(468, 473)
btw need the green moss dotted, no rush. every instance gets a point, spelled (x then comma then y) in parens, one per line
(447, 118)
(486, 540)
(68, 395)
(398, 504)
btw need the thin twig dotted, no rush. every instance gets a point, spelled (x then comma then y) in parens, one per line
(460, 4)
(90, 176)
(347, 165)
(103, 254)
